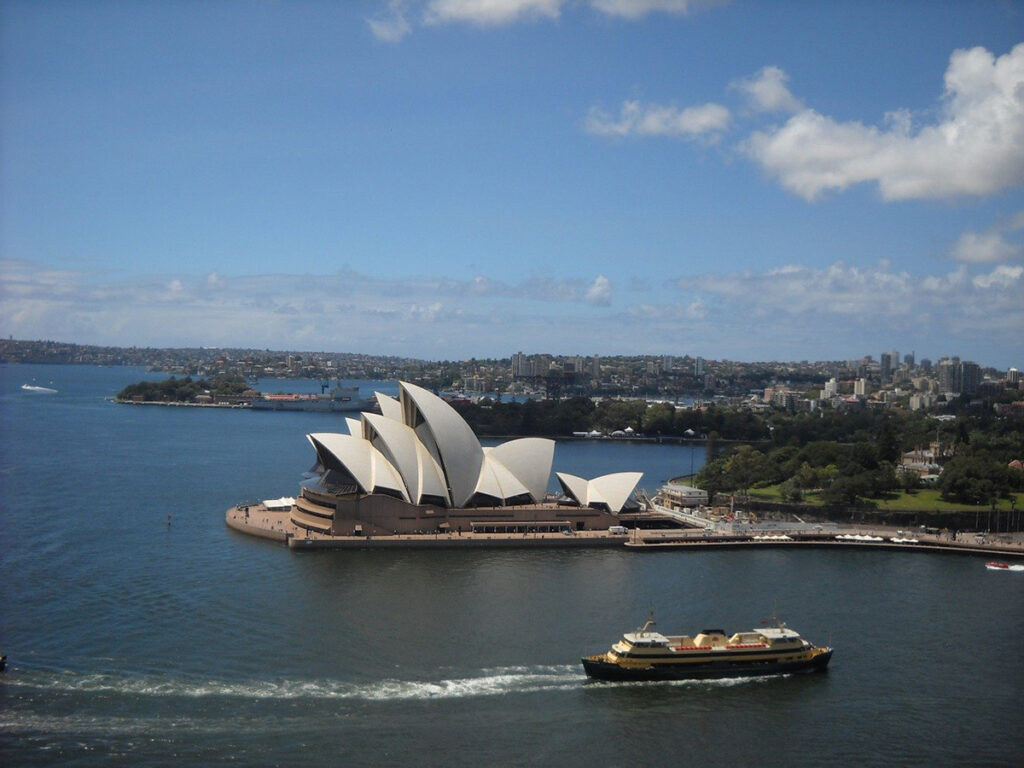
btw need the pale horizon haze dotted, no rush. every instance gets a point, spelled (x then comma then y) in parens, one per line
(447, 179)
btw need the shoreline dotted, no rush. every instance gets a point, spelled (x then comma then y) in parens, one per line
(256, 520)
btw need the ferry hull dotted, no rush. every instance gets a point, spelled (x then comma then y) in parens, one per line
(599, 668)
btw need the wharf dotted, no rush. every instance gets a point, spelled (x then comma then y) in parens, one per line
(873, 537)
(276, 525)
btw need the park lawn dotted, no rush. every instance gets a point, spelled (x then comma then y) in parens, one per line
(929, 499)
(774, 493)
(921, 499)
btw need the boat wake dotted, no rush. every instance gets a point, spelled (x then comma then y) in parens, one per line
(490, 682)
(39, 390)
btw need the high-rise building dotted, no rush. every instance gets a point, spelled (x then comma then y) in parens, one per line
(518, 365)
(948, 374)
(962, 378)
(885, 366)
(970, 377)
(1013, 376)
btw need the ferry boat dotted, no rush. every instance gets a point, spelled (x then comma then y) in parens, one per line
(649, 655)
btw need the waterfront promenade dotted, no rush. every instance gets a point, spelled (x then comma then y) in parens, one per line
(276, 525)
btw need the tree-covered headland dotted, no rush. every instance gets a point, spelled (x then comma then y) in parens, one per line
(835, 456)
(184, 390)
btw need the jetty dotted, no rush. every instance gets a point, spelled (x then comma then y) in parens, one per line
(275, 524)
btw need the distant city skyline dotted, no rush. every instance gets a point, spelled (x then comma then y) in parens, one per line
(521, 362)
(448, 179)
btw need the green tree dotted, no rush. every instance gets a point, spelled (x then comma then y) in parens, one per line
(745, 467)
(659, 419)
(971, 478)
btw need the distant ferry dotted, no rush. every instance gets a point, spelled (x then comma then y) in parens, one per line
(648, 655)
(40, 390)
(338, 399)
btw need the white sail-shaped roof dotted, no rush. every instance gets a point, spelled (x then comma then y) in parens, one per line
(615, 489)
(529, 459)
(574, 487)
(498, 482)
(448, 438)
(420, 473)
(610, 491)
(389, 406)
(421, 449)
(368, 466)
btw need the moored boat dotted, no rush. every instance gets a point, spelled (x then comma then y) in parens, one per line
(343, 399)
(649, 655)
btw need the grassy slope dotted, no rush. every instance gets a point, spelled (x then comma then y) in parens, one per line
(919, 500)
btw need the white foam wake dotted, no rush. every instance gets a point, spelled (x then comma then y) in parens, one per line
(494, 682)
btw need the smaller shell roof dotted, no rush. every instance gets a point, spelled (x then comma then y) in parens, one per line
(529, 459)
(367, 465)
(611, 491)
(498, 482)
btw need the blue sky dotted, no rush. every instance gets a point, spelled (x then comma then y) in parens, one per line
(456, 178)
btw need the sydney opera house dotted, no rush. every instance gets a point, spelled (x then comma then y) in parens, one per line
(417, 467)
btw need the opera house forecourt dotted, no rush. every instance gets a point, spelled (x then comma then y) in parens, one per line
(415, 474)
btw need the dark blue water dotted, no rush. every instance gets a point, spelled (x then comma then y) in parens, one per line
(140, 630)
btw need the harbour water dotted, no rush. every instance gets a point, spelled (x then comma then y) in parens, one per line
(141, 631)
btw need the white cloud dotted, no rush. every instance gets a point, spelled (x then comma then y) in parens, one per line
(767, 91)
(992, 245)
(1002, 276)
(424, 313)
(277, 310)
(635, 119)
(490, 12)
(978, 248)
(599, 292)
(392, 24)
(636, 9)
(974, 150)
(793, 312)
(847, 294)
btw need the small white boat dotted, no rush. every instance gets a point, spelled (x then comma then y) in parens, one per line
(38, 389)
